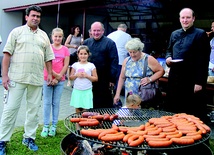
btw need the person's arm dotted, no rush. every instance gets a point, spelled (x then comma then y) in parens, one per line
(48, 65)
(67, 42)
(201, 60)
(5, 68)
(169, 53)
(156, 68)
(120, 82)
(72, 75)
(93, 77)
(158, 71)
(58, 76)
(113, 57)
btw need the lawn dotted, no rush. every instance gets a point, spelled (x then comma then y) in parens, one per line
(47, 146)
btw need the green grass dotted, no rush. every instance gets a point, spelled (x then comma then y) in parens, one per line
(47, 146)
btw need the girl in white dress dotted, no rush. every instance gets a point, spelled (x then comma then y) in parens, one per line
(83, 73)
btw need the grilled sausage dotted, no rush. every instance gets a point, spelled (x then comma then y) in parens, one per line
(137, 141)
(113, 137)
(195, 137)
(154, 143)
(107, 131)
(75, 120)
(156, 139)
(90, 133)
(89, 122)
(183, 141)
(113, 117)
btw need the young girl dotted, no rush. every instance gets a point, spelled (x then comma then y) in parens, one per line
(83, 73)
(53, 92)
(133, 101)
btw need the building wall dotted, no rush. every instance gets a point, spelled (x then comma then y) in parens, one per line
(10, 20)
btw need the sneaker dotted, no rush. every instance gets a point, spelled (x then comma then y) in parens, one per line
(44, 132)
(2, 148)
(29, 142)
(52, 131)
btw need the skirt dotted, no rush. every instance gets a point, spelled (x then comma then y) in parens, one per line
(82, 98)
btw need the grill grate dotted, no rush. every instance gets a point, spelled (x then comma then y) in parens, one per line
(127, 117)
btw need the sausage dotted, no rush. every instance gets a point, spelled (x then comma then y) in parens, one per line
(195, 137)
(126, 129)
(98, 117)
(175, 136)
(194, 133)
(155, 132)
(183, 141)
(137, 141)
(206, 127)
(155, 136)
(75, 120)
(89, 122)
(123, 129)
(169, 129)
(132, 138)
(113, 137)
(86, 114)
(183, 127)
(154, 143)
(106, 117)
(107, 131)
(126, 137)
(186, 131)
(165, 125)
(115, 127)
(170, 133)
(141, 133)
(156, 139)
(151, 128)
(113, 117)
(90, 133)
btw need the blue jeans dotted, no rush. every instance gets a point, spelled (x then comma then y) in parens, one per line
(51, 101)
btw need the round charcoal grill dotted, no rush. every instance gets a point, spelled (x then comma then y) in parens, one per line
(127, 117)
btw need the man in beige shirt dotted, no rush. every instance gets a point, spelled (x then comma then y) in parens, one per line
(26, 51)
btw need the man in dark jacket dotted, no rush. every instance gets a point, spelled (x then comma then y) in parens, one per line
(188, 57)
(105, 58)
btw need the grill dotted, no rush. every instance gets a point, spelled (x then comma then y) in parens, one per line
(127, 117)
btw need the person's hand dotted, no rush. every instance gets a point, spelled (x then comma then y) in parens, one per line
(116, 98)
(59, 77)
(49, 79)
(5, 82)
(144, 81)
(197, 88)
(54, 82)
(82, 74)
(168, 61)
(75, 46)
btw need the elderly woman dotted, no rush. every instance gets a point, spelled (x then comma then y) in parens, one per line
(133, 69)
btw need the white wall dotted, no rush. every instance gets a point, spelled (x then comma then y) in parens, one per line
(8, 21)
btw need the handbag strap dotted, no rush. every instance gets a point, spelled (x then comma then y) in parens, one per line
(145, 65)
